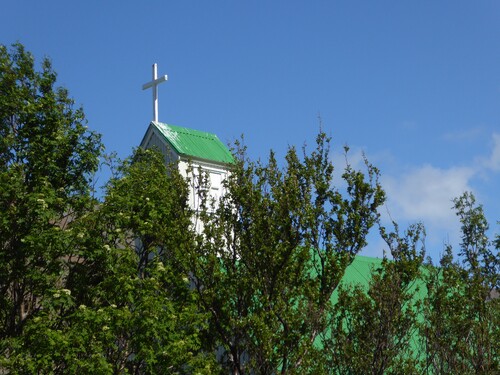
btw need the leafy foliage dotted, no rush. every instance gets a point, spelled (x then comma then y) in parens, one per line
(462, 317)
(374, 330)
(47, 157)
(88, 286)
(139, 283)
(272, 253)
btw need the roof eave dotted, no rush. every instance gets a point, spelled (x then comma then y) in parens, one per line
(188, 157)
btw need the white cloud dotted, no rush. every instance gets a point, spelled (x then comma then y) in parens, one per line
(493, 162)
(356, 160)
(426, 193)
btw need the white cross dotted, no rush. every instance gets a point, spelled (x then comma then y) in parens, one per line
(154, 84)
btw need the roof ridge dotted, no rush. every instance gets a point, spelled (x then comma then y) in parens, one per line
(189, 130)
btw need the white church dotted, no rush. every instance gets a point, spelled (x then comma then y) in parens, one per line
(198, 150)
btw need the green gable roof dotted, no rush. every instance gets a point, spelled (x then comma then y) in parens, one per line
(194, 143)
(359, 271)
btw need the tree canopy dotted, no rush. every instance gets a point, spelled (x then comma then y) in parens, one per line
(135, 281)
(47, 157)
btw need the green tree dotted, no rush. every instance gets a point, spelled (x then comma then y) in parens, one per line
(127, 306)
(147, 217)
(87, 286)
(126, 284)
(47, 158)
(462, 315)
(273, 251)
(374, 330)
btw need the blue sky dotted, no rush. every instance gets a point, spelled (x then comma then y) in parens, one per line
(413, 85)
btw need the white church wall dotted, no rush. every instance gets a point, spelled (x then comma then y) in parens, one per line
(216, 174)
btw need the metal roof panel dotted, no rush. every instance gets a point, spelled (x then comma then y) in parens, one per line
(194, 143)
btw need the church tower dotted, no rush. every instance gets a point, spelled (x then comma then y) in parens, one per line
(188, 147)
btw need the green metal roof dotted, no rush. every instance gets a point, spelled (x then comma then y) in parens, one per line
(360, 270)
(359, 273)
(194, 143)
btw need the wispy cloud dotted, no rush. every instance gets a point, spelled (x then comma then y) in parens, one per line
(493, 161)
(409, 125)
(425, 193)
(464, 134)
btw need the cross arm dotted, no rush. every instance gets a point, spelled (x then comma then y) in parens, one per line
(155, 82)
